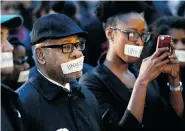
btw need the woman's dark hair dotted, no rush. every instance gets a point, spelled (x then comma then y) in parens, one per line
(162, 27)
(107, 10)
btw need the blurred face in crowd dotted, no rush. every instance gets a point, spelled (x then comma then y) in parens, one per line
(178, 38)
(130, 29)
(64, 50)
(20, 62)
(10, 7)
(5, 47)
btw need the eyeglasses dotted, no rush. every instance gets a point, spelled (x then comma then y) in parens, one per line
(21, 61)
(176, 40)
(69, 47)
(134, 36)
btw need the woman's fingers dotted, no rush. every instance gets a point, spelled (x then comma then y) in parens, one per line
(173, 59)
(159, 51)
(163, 56)
(161, 63)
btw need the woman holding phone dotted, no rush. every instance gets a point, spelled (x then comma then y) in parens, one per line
(129, 98)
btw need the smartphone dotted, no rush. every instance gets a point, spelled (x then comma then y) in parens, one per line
(164, 41)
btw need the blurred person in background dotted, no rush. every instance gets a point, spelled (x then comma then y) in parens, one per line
(15, 80)
(91, 24)
(41, 10)
(120, 88)
(24, 8)
(181, 9)
(175, 27)
(157, 9)
(12, 114)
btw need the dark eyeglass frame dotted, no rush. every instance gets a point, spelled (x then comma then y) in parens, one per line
(21, 61)
(174, 41)
(80, 44)
(138, 35)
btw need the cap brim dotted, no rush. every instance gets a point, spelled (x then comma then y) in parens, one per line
(11, 21)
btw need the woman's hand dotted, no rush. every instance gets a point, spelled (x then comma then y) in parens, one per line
(173, 68)
(152, 66)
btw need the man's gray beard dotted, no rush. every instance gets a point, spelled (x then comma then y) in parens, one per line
(71, 77)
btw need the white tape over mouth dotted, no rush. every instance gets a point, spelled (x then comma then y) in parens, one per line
(132, 50)
(6, 59)
(23, 76)
(180, 54)
(72, 66)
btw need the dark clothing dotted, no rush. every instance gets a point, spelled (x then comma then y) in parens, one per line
(96, 36)
(11, 110)
(50, 107)
(113, 97)
(165, 91)
(14, 85)
(86, 68)
(33, 72)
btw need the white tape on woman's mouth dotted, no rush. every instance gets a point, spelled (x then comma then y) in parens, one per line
(180, 54)
(132, 50)
(72, 66)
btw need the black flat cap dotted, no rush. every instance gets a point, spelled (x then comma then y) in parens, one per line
(54, 26)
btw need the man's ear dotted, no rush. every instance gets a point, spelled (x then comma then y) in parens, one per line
(40, 55)
(109, 33)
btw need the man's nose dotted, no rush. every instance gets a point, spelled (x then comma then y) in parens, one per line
(76, 53)
(180, 45)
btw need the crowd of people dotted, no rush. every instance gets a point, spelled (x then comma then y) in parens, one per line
(92, 65)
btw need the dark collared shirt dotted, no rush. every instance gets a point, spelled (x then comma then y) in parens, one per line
(49, 107)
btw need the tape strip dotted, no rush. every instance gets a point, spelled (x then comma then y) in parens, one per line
(6, 59)
(132, 50)
(72, 66)
(180, 54)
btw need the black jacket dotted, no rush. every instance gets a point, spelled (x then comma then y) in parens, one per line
(12, 114)
(49, 107)
(113, 97)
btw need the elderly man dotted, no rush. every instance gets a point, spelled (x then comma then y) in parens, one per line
(52, 99)
(11, 111)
